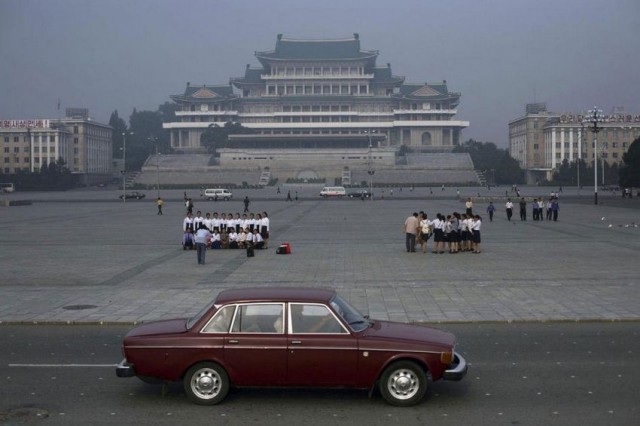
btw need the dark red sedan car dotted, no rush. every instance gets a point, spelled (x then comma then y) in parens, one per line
(297, 337)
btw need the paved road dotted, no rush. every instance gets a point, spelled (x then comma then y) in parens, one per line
(522, 374)
(105, 261)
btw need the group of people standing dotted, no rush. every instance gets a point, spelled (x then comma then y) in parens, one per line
(225, 231)
(539, 208)
(455, 232)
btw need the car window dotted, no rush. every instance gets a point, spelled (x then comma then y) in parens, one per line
(312, 318)
(259, 318)
(221, 320)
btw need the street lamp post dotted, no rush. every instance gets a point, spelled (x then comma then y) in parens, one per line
(594, 117)
(155, 141)
(124, 165)
(371, 172)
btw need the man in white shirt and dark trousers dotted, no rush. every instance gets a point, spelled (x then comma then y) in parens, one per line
(202, 238)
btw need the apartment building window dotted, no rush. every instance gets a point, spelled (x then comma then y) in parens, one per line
(6, 139)
(44, 149)
(16, 139)
(6, 149)
(75, 128)
(615, 155)
(6, 159)
(26, 159)
(16, 149)
(614, 144)
(558, 145)
(535, 146)
(26, 149)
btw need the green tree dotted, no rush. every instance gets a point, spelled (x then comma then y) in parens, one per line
(630, 172)
(119, 127)
(487, 156)
(216, 137)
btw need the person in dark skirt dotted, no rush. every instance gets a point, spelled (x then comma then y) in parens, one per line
(475, 229)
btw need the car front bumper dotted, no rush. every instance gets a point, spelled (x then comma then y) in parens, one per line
(124, 369)
(457, 370)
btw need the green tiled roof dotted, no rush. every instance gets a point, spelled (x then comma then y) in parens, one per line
(251, 76)
(220, 90)
(383, 75)
(317, 49)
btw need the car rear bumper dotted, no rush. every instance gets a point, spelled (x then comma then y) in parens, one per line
(457, 370)
(124, 369)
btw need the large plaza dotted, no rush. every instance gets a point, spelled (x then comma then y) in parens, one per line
(83, 256)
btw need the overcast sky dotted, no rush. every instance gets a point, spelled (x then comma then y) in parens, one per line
(500, 54)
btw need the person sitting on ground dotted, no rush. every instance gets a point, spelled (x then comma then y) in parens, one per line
(224, 239)
(258, 242)
(215, 239)
(242, 239)
(249, 239)
(233, 238)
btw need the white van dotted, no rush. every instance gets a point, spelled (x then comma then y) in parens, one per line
(333, 191)
(218, 194)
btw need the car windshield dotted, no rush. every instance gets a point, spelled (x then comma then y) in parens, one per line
(194, 319)
(350, 315)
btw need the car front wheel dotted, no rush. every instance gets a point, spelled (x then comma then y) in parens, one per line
(206, 383)
(403, 383)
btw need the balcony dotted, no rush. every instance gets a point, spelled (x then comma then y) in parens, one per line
(316, 76)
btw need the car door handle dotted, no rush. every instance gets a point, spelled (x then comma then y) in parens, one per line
(296, 342)
(234, 341)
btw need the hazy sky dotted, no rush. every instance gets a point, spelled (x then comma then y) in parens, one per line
(500, 54)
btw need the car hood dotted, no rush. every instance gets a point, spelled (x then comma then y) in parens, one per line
(171, 326)
(410, 333)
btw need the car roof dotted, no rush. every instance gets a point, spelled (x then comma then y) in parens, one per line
(264, 294)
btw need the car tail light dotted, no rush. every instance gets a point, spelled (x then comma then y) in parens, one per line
(446, 357)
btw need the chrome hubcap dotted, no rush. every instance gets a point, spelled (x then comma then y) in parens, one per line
(403, 384)
(206, 383)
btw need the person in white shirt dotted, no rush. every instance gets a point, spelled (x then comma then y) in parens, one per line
(198, 220)
(233, 238)
(251, 222)
(475, 227)
(425, 231)
(215, 221)
(258, 242)
(242, 239)
(215, 239)
(509, 207)
(203, 236)
(264, 229)
(249, 239)
(207, 221)
(438, 233)
(237, 221)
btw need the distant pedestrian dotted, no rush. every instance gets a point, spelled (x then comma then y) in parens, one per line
(523, 209)
(509, 207)
(555, 207)
(246, 204)
(289, 196)
(469, 206)
(278, 190)
(159, 203)
(296, 195)
(490, 209)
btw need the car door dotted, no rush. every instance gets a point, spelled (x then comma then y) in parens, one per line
(321, 351)
(256, 347)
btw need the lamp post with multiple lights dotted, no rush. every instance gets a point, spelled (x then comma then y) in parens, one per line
(124, 165)
(595, 116)
(371, 172)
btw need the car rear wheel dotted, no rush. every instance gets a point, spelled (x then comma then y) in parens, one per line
(403, 383)
(206, 383)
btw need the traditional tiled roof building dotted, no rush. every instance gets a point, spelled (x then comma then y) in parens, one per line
(320, 94)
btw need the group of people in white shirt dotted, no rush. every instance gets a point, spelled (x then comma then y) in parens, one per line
(457, 232)
(228, 230)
